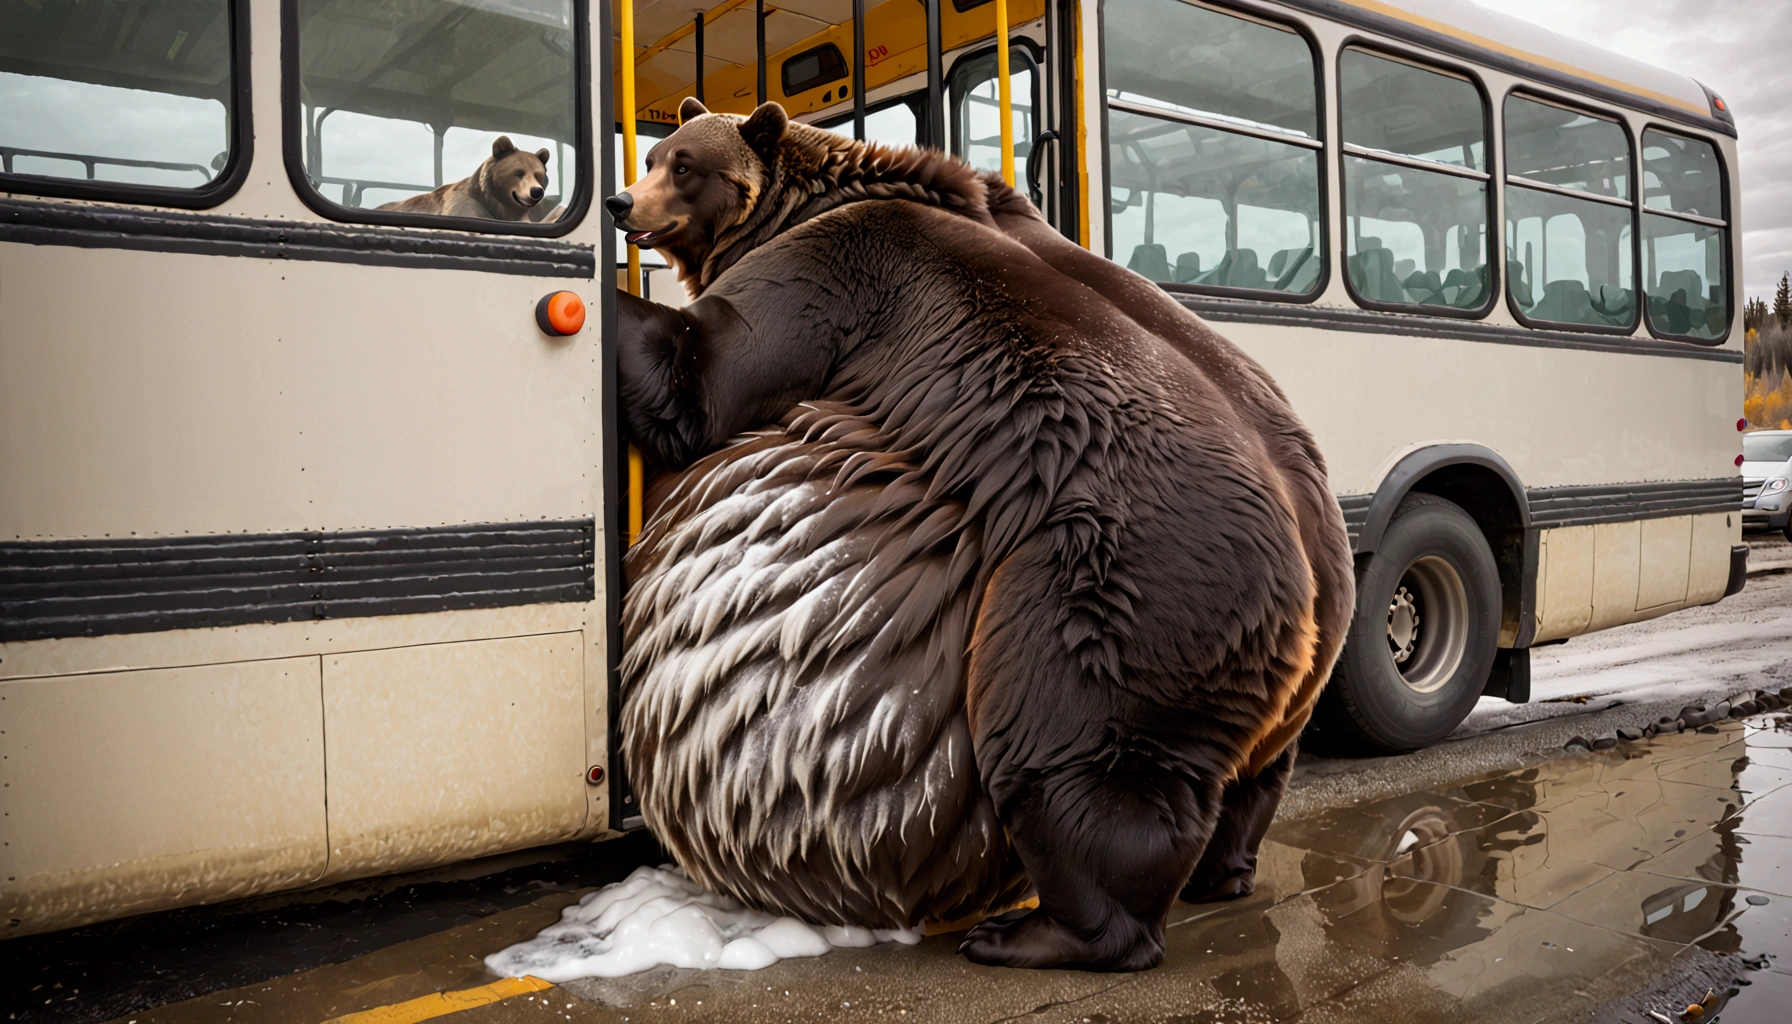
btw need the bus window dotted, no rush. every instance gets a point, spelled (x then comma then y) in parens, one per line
(1213, 148)
(1685, 237)
(976, 114)
(129, 93)
(1415, 184)
(402, 97)
(1568, 216)
(893, 122)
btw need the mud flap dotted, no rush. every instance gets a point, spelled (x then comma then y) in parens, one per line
(1511, 675)
(1738, 570)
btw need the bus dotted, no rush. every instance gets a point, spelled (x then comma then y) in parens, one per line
(312, 510)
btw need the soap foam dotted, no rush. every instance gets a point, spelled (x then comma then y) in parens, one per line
(658, 916)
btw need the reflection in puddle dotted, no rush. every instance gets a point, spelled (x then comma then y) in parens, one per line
(1542, 892)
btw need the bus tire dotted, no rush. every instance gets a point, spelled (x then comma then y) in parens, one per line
(1423, 639)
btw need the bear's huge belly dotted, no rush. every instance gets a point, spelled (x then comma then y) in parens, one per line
(794, 685)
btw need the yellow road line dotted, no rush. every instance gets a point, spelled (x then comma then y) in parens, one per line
(440, 1004)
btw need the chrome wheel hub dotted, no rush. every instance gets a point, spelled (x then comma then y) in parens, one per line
(1428, 623)
(1403, 625)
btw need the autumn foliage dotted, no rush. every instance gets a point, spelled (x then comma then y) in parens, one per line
(1767, 376)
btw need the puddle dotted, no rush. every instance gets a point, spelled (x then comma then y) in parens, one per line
(1557, 889)
(1595, 886)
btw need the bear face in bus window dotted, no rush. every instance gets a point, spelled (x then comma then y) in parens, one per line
(509, 185)
(702, 183)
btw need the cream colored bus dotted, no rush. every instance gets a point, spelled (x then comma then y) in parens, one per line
(311, 515)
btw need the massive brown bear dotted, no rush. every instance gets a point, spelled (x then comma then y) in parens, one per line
(975, 564)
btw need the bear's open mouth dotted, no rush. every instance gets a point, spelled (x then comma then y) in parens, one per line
(648, 239)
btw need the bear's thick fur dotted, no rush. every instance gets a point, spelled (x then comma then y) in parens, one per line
(977, 563)
(508, 185)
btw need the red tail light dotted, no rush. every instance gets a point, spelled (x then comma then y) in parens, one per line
(1738, 460)
(1742, 424)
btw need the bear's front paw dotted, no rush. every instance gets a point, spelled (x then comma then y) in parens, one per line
(1033, 939)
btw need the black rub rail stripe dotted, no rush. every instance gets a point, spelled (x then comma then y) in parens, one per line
(1356, 513)
(1362, 321)
(1609, 503)
(1586, 504)
(51, 589)
(108, 227)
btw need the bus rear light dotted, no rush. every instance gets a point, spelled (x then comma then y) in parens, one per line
(1742, 424)
(1739, 461)
(560, 314)
(595, 775)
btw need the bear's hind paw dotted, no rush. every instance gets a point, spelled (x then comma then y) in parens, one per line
(1032, 939)
(1232, 887)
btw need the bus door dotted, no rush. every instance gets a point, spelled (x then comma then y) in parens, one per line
(1040, 118)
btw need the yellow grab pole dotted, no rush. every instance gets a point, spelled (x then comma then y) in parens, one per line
(637, 470)
(1004, 92)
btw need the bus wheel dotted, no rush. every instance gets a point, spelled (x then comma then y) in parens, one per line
(1422, 642)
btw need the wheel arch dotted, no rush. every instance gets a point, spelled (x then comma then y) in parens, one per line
(1485, 485)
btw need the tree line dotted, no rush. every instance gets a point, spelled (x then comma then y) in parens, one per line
(1767, 359)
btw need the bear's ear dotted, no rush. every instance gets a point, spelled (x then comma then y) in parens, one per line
(763, 129)
(542, 155)
(691, 107)
(503, 146)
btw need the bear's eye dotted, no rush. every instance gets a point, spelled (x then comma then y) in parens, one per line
(681, 169)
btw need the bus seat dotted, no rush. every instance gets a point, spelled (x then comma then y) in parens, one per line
(1519, 283)
(1246, 272)
(1676, 280)
(1372, 272)
(1404, 269)
(1422, 285)
(1614, 301)
(1565, 302)
(1221, 272)
(1301, 277)
(1150, 259)
(1188, 267)
(1290, 265)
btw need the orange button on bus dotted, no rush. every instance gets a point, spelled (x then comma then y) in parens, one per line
(560, 314)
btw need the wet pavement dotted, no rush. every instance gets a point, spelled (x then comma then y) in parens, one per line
(1594, 885)
(1496, 878)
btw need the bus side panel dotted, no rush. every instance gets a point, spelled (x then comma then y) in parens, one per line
(127, 792)
(449, 751)
(1617, 555)
(1564, 582)
(1708, 570)
(1665, 549)
(230, 394)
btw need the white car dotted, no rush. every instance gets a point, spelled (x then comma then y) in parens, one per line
(1767, 480)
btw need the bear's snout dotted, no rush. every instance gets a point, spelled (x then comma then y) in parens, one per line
(535, 193)
(620, 206)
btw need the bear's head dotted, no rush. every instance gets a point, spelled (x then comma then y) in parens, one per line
(722, 184)
(701, 180)
(513, 181)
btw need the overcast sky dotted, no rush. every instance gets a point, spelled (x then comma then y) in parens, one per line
(1742, 49)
